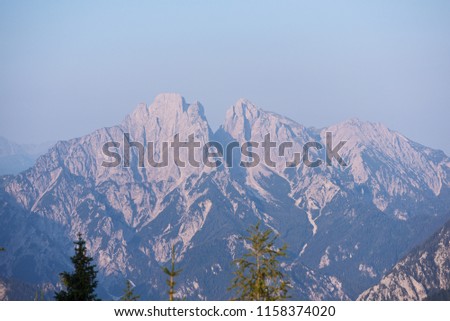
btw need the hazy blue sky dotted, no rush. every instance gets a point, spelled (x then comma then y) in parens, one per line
(69, 67)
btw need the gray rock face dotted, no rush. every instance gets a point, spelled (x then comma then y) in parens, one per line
(344, 226)
(423, 272)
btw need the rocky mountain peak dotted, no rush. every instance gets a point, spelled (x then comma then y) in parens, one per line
(245, 108)
(245, 121)
(168, 102)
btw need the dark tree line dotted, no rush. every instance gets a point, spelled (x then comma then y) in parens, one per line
(258, 275)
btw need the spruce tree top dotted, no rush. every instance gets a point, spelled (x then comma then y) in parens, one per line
(259, 275)
(80, 285)
(128, 293)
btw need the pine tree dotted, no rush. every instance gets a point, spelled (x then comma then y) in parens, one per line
(172, 273)
(128, 293)
(80, 285)
(258, 276)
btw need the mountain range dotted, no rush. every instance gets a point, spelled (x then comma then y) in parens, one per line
(345, 226)
(15, 158)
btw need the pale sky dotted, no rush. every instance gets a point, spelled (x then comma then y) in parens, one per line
(70, 67)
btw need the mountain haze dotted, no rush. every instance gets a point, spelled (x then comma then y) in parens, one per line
(15, 158)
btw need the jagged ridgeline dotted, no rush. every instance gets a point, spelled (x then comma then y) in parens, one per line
(423, 274)
(345, 226)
